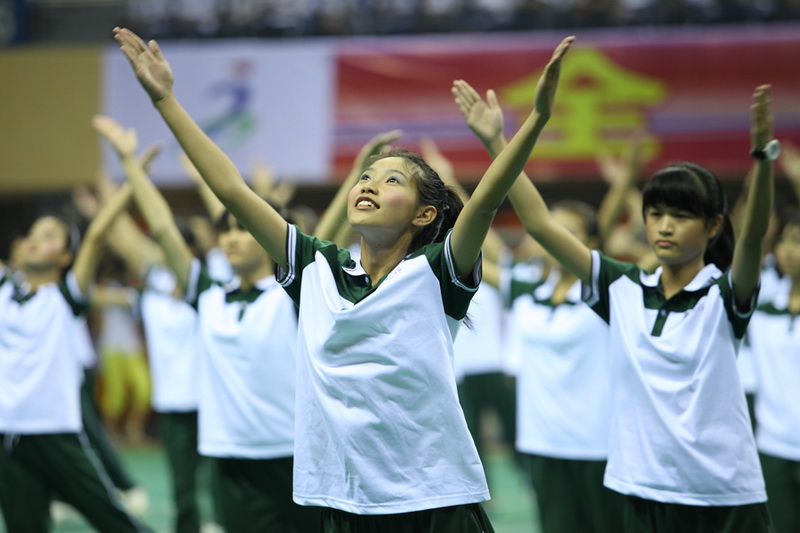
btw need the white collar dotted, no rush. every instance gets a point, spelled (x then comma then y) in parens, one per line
(706, 277)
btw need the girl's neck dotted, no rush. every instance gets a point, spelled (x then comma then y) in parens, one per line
(378, 259)
(675, 277)
(36, 278)
(249, 277)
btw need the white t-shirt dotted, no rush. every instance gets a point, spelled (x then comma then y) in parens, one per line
(40, 367)
(774, 335)
(680, 428)
(247, 375)
(173, 343)
(563, 383)
(379, 426)
(480, 349)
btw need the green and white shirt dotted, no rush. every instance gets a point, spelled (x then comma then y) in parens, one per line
(379, 426)
(774, 336)
(680, 427)
(247, 376)
(40, 361)
(563, 380)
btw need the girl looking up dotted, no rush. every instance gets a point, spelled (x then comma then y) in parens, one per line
(681, 449)
(381, 442)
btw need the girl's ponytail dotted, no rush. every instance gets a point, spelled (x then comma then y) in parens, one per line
(720, 248)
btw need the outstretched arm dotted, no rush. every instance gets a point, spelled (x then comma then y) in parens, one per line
(335, 215)
(746, 266)
(473, 223)
(217, 170)
(150, 201)
(88, 256)
(485, 120)
(493, 245)
(213, 206)
(621, 176)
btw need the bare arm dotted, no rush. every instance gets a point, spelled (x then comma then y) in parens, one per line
(150, 201)
(330, 225)
(621, 175)
(473, 223)
(85, 266)
(213, 206)
(493, 245)
(216, 169)
(485, 120)
(746, 266)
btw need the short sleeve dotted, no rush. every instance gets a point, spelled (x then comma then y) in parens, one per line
(301, 251)
(456, 293)
(604, 272)
(739, 318)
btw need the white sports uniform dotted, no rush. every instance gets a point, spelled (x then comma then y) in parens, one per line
(680, 427)
(41, 370)
(379, 427)
(563, 382)
(247, 379)
(774, 336)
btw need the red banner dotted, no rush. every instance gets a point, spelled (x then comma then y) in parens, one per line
(689, 90)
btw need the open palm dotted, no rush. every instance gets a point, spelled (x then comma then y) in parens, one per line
(149, 65)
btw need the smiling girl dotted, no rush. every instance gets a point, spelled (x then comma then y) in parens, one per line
(381, 441)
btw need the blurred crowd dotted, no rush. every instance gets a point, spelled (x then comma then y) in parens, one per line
(265, 18)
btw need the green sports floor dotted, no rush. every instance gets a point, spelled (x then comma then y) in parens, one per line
(511, 509)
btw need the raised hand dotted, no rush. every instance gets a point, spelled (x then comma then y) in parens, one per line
(149, 65)
(548, 82)
(761, 117)
(485, 118)
(122, 140)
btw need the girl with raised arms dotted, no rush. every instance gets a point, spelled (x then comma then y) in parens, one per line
(381, 442)
(681, 449)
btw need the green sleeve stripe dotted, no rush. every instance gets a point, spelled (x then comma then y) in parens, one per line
(739, 318)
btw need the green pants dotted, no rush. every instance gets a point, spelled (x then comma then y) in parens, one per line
(647, 516)
(34, 467)
(457, 519)
(571, 496)
(255, 495)
(782, 478)
(98, 437)
(494, 391)
(179, 435)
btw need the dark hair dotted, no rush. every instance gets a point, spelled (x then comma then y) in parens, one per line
(695, 189)
(431, 190)
(586, 212)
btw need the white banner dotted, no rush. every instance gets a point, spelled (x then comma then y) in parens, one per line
(269, 100)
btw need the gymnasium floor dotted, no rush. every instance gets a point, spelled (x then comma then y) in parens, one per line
(511, 509)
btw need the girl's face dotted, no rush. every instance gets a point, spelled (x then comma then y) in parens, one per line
(241, 248)
(46, 245)
(386, 197)
(787, 251)
(677, 236)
